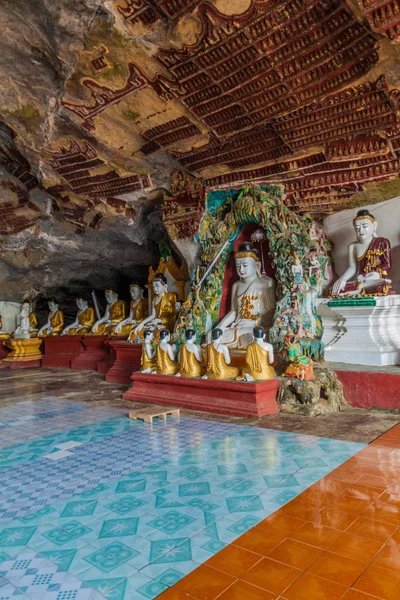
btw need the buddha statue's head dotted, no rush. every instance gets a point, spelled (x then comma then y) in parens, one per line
(258, 333)
(190, 335)
(148, 335)
(365, 226)
(111, 296)
(81, 303)
(247, 260)
(53, 305)
(25, 309)
(160, 284)
(216, 334)
(135, 291)
(165, 335)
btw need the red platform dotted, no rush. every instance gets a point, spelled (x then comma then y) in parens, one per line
(59, 351)
(127, 360)
(94, 351)
(223, 397)
(371, 389)
(106, 363)
(4, 350)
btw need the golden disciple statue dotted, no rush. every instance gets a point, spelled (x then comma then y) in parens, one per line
(190, 357)
(166, 355)
(148, 358)
(163, 312)
(219, 359)
(138, 311)
(115, 313)
(26, 323)
(85, 319)
(253, 300)
(369, 261)
(55, 321)
(3, 334)
(259, 358)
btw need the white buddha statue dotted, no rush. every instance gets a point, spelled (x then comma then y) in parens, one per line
(163, 308)
(24, 329)
(253, 300)
(369, 261)
(55, 320)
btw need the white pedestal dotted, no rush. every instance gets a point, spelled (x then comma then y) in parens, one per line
(363, 335)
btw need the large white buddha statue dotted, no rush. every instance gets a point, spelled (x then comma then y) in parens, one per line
(253, 300)
(369, 261)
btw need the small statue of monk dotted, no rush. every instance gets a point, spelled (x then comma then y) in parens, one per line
(219, 359)
(259, 358)
(190, 357)
(84, 321)
(148, 358)
(166, 355)
(300, 366)
(55, 321)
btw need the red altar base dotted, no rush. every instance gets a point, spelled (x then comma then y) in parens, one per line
(4, 350)
(127, 360)
(59, 351)
(223, 397)
(106, 363)
(21, 364)
(94, 351)
(371, 389)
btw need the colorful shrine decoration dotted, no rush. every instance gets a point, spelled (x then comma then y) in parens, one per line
(300, 366)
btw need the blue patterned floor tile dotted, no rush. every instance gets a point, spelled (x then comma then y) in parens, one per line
(137, 587)
(9, 591)
(168, 574)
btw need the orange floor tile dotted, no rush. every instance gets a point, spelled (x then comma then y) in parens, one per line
(338, 540)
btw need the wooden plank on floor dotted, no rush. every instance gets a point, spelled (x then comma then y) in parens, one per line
(147, 414)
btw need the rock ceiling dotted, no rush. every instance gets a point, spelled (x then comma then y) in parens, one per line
(107, 98)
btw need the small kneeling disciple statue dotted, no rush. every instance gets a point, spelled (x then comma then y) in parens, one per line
(163, 310)
(219, 359)
(259, 358)
(138, 311)
(300, 367)
(166, 355)
(369, 261)
(55, 321)
(190, 357)
(26, 323)
(115, 313)
(148, 358)
(84, 321)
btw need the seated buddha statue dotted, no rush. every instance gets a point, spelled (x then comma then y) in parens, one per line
(259, 358)
(163, 308)
(137, 312)
(3, 334)
(84, 321)
(26, 323)
(148, 358)
(190, 357)
(55, 320)
(115, 313)
(219, 359)
(369, 261)
(253, 300)
(166, 355)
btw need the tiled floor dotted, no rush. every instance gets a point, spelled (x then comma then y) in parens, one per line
(93, 505)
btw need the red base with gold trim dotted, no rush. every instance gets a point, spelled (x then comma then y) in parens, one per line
(234, 398)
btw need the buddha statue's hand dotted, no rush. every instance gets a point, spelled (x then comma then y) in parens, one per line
(138, 328)
(339, 285)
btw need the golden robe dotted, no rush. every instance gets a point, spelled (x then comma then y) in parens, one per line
(257, 363)
(34, 324)
(86, 320)
(189, 365)
(165, 366)
(57, 324)
(116, 315)
(139, 312)
(217, 367)
(166, 310)
(3, 334)
(146, 362)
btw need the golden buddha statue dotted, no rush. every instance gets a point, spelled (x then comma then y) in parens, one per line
(166, 355)
(163, 312)
(84, 321)
(253, 300)
(55, 321)
(369, 259)
(218, 359)
(3, 334)
(190, 357)
(259, 358)
(137, 312)
(115, 313)
(148, 358)
(26, 323)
